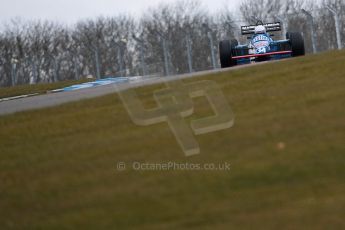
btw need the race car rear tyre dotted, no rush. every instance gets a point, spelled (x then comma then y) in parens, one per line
(297, 43)
(226, 50)
(234, 43)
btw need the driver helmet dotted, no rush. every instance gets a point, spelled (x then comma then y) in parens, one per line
(260, 30)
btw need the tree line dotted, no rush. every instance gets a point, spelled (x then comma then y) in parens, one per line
(170, 39)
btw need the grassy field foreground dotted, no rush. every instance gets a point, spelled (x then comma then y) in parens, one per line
(286, 150)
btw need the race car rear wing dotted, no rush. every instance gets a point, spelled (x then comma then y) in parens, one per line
(270, 27)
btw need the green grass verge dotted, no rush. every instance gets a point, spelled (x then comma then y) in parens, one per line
(58, 165)
(37, 88)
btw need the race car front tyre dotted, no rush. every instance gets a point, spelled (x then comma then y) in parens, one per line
(297, 43)
(225, 52)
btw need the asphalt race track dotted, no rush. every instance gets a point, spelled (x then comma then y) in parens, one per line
(53, 99)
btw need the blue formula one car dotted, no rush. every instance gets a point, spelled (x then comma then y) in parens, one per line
(261, 46)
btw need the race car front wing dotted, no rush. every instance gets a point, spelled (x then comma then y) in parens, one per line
(261, 55)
